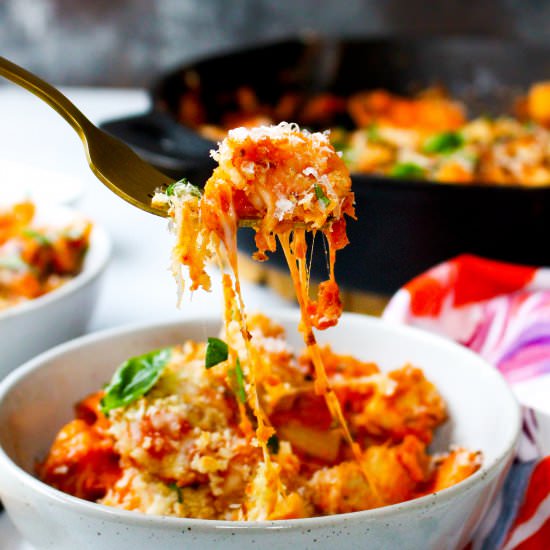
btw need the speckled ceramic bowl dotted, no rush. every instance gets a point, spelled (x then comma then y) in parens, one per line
(37, 399)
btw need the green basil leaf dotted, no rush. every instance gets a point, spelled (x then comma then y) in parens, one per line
(177, 488)
(42, 240)
(320, 194)
(372, 132)
(170, 189)
(236, 376)
(134, 378)
(445, 142)
(216, 352)
(183, 186)
(273, 444)
(406, 170)
(339, 138)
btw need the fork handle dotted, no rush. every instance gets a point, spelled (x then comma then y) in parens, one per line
(54, 98)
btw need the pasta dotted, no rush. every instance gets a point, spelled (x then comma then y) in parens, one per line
(35, 259)
(182, 449)
(242, 427)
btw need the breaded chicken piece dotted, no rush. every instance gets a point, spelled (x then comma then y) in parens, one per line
(395, 472)
(412, 406)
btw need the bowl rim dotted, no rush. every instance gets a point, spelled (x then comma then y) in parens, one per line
(104, 512)
(101, 245)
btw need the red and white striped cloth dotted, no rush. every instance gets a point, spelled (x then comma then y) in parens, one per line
(501, 311)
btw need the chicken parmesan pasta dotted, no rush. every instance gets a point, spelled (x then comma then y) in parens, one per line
(184, 449)
(243, 427)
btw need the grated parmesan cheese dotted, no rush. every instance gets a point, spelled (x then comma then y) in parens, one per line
(283, 207)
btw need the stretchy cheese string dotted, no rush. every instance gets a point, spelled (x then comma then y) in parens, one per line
(232, 290)
(294, 245)
(219, 220)
(292, 242)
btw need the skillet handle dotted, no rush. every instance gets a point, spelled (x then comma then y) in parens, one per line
(172, 148)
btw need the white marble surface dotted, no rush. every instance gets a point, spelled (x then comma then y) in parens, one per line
(137, 285)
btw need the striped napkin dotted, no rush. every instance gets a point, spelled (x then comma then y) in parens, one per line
(502, 312)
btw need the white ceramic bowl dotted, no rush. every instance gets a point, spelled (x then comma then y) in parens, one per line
(31, 327)
(37, 399)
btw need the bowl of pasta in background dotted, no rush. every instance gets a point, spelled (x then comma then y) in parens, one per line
(38, 398)
(31, 326)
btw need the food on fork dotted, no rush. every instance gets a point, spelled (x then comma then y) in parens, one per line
(282, 181)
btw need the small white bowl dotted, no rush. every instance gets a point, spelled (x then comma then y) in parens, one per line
(31, 327)
(37, 399)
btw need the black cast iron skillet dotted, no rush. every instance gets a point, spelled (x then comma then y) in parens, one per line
(403, 227)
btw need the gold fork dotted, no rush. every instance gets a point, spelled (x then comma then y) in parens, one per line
(113, 162)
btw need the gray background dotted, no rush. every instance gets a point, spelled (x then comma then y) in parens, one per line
(127, 42)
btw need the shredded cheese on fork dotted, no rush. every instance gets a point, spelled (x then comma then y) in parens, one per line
(289, 181)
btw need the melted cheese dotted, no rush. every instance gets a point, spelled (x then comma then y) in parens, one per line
(290, 182)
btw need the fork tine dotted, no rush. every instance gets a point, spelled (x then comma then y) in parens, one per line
(123, 171)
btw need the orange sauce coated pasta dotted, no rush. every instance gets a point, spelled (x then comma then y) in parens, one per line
(260, 433)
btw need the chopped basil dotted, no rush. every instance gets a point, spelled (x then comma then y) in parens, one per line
(372, 132)
(406, 170)
(170, 189)
(216, 352)
(339, 145)
(320, 194)
(183, 187)
(339, 139)
(236, 376)
(177, 488)
(445, 142)
(41, 239)
(134, 378)
(273, 444)
(13, 263)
